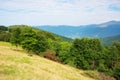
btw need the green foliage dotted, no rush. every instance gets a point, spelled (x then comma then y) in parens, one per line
(42, 44)
(64, 50)
(5, 36)
(32, 41)
(15, 37)
(117, 72)
(29, 38)
(108, 41)
(89, 54)
(54, 45)
(3, 28)
(65, 39)
(84, 53)
(61, 49)
(110, 60)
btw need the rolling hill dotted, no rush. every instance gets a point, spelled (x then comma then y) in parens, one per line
(17, 65)
(107, 41)
(106, 29)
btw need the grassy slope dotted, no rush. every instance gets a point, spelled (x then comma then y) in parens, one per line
(17, 65)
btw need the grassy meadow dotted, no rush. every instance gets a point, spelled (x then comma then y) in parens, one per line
(17, 65)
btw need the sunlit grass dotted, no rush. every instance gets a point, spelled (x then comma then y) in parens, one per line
(17, 65)
(5, 44)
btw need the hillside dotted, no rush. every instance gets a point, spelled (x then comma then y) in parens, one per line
(81, 53)
(110, 40)
(106, 29)
(17, 65)
(5, 33)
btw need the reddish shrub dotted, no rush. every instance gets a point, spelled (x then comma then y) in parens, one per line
(49, 54)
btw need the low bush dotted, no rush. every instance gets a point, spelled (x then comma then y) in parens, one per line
(49, 54)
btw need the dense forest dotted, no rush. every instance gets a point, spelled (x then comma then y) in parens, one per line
(82, 53)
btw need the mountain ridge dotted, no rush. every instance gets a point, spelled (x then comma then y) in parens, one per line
(106, 29)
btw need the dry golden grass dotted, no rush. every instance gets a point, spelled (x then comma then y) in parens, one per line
(17, 65)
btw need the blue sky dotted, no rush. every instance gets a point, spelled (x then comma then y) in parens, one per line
(58, 12)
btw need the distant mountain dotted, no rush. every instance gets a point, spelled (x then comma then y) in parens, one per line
(107, 41)
(111, 28)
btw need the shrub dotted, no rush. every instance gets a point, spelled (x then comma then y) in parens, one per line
(49, 54)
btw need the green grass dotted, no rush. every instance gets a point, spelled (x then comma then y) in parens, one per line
(9, 70)
(92, 74)
(5, 44)
(19, 60)
(17, 65)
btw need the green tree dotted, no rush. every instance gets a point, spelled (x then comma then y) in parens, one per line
(31, 41)
(110, 60)
(54, 45)
(5, 36)
(64, 49)
(84, 53)
(15, 37)
(41, 44)
(28, 39)
(3, 28)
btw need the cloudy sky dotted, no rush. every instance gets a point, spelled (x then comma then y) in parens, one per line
(58, 12)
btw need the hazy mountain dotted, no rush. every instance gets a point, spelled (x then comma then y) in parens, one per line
(111, 28)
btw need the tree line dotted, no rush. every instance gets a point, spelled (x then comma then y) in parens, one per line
(82, 53)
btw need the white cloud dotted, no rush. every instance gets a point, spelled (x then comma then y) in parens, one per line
(56, 12)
